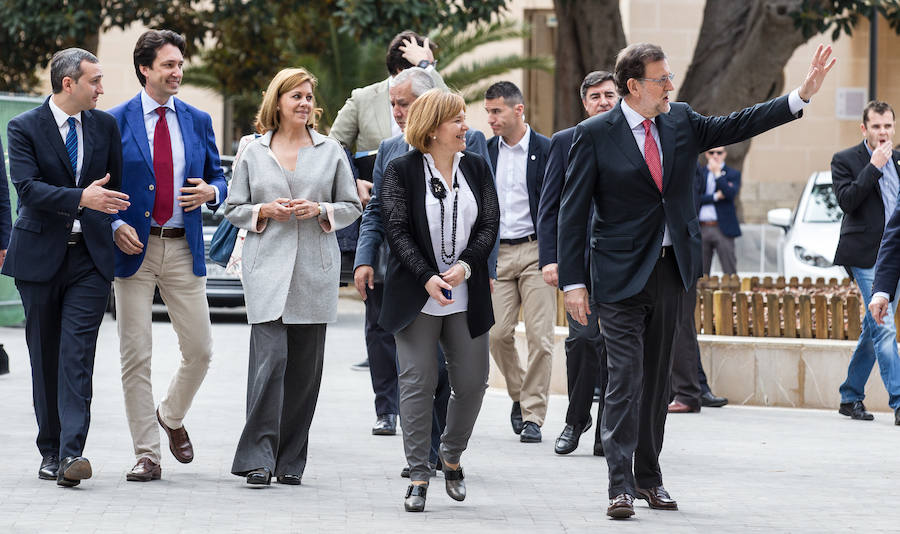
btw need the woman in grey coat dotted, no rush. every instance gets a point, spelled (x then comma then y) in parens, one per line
(292, 188)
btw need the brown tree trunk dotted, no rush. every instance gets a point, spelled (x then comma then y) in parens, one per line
(740, 57)
(588, 37)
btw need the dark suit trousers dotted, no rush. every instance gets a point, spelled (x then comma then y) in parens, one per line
(62, 318)
(585, 360)
(382, 356)
(639, 331)
(685, 378)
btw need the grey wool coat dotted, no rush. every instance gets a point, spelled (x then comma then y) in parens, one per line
(291, 269)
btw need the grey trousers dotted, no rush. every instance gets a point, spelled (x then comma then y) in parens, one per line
(467, 367)
(685, 352)
(282, 390)
(715, 241)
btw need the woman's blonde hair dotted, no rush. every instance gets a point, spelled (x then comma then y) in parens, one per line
(427, 112)
(268, 118)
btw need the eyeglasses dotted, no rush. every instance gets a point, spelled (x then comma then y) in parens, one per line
(660, 81)
(715, 152)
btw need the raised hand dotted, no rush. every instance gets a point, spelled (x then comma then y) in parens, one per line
(818, 69)
(97, 197)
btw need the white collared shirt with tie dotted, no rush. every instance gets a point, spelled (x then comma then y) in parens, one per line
(62, 122)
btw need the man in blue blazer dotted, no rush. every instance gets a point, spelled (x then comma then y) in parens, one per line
(171, 168)
(636, 164)
(585, 349)
(519, 158)
(66, 163)
(717, 186)
(372, 252)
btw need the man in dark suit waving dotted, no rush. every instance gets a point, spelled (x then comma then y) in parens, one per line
(65, 162)
(637, 164)
(866, 184)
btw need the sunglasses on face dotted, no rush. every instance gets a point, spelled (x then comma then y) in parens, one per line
(715, 152)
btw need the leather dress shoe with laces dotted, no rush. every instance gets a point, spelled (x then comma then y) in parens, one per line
(179, 442)
(49, 467)
(415, 497)
(454, 481)
(708, 400)
(259, 477)
(435, 467)
(855, 410)
(677, 406)
(531, 433)
(289, 480)
(385, 425)
(72, 470)
(515, 417)
(144, 470)
(621, 506)
(658, 498)
(567, 442)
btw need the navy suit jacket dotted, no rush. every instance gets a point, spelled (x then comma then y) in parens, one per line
(49, 197)
(606, 168)
(729, 184)
(372, 247)
(887, 264)
(201, 161)
(5, 211)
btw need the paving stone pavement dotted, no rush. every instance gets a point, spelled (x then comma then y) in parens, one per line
(735, 469)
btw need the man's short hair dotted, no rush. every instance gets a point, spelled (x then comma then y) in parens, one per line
(595, 78)
(632, 61)
(67, 63)
(878, 107)
(508, 90)
(421, 80)
(429, 111)
(395, 61)
(148, 44)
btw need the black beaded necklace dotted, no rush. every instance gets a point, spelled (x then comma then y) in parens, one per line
(439, 190)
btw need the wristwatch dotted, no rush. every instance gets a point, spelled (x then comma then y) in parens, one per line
(424, 64)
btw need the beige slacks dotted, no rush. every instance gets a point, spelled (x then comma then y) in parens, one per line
(167, 264)
(520, 283)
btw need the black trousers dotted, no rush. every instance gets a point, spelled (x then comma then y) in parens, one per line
(585, 361)
(62, 318)
(686, 354)
(382, 353)
(639, 331)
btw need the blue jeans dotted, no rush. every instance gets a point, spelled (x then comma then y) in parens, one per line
(875, 342)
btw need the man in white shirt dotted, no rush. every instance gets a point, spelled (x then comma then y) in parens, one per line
(519, 157)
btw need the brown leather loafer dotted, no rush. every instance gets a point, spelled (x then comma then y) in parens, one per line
(680, 407)
(621, 506)
(658, 498)
(179, 442)
(144, 470)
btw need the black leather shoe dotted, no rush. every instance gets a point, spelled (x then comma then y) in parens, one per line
(455, 483)
(404, 473)
(49, 467)
(385, 425)
(855, 410)
(290, 480)
(515, 417)
(415, 497)
(72, 470)
(259, 477)
(531, 433)
(708, 400)
(598, 449)
(897, 416)
(568, 441)
(361, 366)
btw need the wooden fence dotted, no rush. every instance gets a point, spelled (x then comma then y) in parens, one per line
(767, 307)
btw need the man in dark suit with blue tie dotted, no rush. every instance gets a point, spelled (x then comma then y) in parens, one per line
(585, 349)
(170, 169)
(636, 165)
(66, 163)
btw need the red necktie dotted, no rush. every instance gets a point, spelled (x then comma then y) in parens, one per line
(163, 169)
(651, 155)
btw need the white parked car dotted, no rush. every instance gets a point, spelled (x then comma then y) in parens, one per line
(811, 232)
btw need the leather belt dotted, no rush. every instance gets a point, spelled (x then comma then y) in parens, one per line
(667, 251)
(709, 223)
(166, 233)
(519, 240)
(74, 239)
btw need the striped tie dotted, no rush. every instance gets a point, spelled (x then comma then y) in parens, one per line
(72, 146)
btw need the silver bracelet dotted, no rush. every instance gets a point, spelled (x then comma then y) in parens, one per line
(466, 268)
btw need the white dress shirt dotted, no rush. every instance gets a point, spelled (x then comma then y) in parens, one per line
(62, 122)
(467, 212)
(512, 188)
(708, 211)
